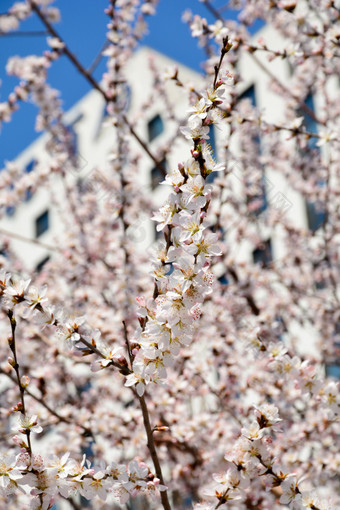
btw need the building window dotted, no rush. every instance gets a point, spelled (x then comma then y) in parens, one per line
(223, 279)
(30, 166)
(316, 215)
(257, 203)
(333, 370)
(315, 210)
(28, 169)
(155, 127)
(309, 122)
(42, 223)
(10, 211)
(72, 140)
(263, 254)
(250, 94)
(41, 264)
(212, 142)
(157, 176)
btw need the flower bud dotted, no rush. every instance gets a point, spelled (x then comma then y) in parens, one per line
(161, 428)
(25, 380)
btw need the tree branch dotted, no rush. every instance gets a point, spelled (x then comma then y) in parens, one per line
(152, 449)
(93, 82)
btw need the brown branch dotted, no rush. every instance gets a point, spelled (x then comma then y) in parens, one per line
(92, 81)
(127, 343)
(122, 368)
(213, 11)
(15, 365)
(301, 104)
(153, 452)
(54, 413)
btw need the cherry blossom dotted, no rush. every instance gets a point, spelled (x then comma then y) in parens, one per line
(199, 372)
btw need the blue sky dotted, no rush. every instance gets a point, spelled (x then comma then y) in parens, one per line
(83, 26)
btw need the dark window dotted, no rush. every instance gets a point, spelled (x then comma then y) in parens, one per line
(212, 143)
(10, 211)
(155, 127)
(333, 370)
(42, 223)
(263, 254)
(126, 97)
(157, 176)
(309, 122)
(212, 140)
(257, 203)
(315, 215)
(28, 169)
(223, 279)
(249, 93)
(72, 140)
(315, 210)
(41, 264)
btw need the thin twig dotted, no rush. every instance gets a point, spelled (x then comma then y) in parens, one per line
(97, 59)
(301, 104)
(128, 348)
(28, 240)
(93, 82)
(41, 401)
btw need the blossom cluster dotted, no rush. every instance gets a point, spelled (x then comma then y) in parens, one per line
(181, 263)
(250, 457)
(54, 477)
(243, 316)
